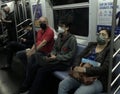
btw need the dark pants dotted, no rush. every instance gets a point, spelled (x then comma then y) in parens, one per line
(12, 34)
(12, 48)
(21, 55)
(36, 74)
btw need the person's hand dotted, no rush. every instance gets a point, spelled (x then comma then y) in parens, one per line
(29, 53)
(79, 69)
(23, 39)
(52, 57)
(74, 74)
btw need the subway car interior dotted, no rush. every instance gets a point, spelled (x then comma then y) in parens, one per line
(89, 21)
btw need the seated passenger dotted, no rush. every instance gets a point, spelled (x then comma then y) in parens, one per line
(99, 53)
(44, 42)
(59, 59)
(26, 41)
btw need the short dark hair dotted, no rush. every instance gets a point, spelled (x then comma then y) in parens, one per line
(27, 23)
(67, 24)
(107, 30)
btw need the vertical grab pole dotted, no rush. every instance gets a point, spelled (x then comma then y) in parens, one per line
(15, 10)
(111, 44)
(33, 18)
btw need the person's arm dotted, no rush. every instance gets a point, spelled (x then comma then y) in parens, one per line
(46, 39)
(42, 44)
(28, 39)
(7, 21)
(32, 50)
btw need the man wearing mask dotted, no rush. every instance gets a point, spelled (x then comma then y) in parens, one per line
(44, 42)
(60, 58)
(45, 38)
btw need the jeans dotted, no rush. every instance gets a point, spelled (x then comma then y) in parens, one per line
(70, 83)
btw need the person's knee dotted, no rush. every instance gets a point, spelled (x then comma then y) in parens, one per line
(61, 84)
(65, 84)
(85, 90)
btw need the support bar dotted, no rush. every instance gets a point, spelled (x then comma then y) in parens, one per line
(22, 22)
(19, 30)
(111, 45)
(21, 35)
(115, 80)
(117, 90)
(117, 38)
(116, 52)
(116, 66)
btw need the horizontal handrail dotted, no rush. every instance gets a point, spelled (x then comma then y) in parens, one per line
(20, 30)
(116, 52)
(117, 38)
(117, 90)
(21, 35)
(22, 22)
(116, 66)
(115, 80)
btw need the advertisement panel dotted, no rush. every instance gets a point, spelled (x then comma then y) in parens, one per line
(104, 19)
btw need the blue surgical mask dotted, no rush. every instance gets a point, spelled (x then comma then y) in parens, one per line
(60, 30)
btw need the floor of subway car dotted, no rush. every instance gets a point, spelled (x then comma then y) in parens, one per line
(11, 79)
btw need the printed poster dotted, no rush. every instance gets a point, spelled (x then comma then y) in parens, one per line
(104, 19)
(38, 14)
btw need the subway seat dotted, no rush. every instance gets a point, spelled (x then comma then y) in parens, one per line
(63, 74)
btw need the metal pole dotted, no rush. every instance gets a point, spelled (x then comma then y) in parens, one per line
(25, 12)
(111, 45)
(15, 10)
(33, 20)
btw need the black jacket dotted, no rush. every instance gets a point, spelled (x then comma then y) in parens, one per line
(103, 58)
(29, 36)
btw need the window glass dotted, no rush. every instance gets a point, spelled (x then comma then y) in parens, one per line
(78, 17)
(62, 2)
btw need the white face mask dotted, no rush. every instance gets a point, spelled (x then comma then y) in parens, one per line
(60, 30)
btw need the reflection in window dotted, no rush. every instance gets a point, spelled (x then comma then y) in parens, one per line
(62, 2)
(78, 17)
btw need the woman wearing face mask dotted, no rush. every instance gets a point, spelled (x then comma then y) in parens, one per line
(98, 52)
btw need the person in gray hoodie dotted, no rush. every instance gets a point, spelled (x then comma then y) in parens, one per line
(60, 58)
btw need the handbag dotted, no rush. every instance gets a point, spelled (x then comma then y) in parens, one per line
(82, 77)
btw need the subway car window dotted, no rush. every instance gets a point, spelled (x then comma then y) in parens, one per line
(63, 2)
(79, 18)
